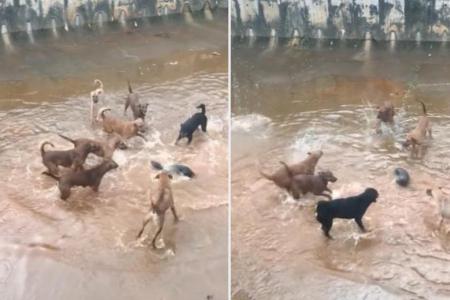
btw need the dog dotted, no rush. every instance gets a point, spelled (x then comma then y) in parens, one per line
(91, 177)
(132, 100)
(443, 199)
(307, 167)
(66, 158)
(125, 129)
(105, 148)
(188, 128)
(164, 201)
(416, 137)
(96, 97)
(316, 184)
(345, 208)
(385, 114)
(175, 168)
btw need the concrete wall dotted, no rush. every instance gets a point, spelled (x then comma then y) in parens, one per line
(382, 19)
(20, 15)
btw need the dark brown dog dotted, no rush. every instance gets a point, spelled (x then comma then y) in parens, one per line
(91, 177)
(316, 184)
(105, 148)
(67, 158)
(385, 114)
(126, 129)
(416, 137)
(164, 201)
(281, 177)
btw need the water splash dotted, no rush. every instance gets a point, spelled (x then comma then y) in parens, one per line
(418, 37)
(367, 42)
(187, 13)
(30, 32)
(208, 13)
(319, 34)
(251, 37)
(392, 40)
(342, 34)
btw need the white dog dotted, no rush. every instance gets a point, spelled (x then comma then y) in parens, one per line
(96, 99)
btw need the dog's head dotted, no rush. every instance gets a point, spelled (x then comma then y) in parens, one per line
(95, 148)
(164, 176)
(139, 123)
(315, 154)
(95, 95)
(201, 106)
(143, 110)
(386, 112)
(327, 175)
(372, 194)
(110, 164)
(117, 141)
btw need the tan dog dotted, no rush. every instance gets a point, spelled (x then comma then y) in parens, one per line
(316, 184)
(159, 205)
(416, 137)
(96, 98)
(307, 167)
(385, 114)
(105, 148)
(126, 129)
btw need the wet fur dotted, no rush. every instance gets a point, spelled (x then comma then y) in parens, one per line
(132, 101)
(316, 184)
(163, 201)
(307, 167)
(126, 129)
(105, 148)
(345, 208)
(91, 177)
(416, 137)
(188, 128)
(385, 114)
(73, 158)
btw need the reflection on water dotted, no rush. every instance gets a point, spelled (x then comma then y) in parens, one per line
(85, 248)
(299, 99)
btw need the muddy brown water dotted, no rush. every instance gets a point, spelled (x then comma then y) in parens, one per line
(287, 101)
(85, 248)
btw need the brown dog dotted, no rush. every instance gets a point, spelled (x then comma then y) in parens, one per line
(316, 184)
(164, 201)
(443, 200)
(105, 148)
(91, 177)
(126, 129)
(67, 158)
(385, 114)
(416, 137)
(282, 178)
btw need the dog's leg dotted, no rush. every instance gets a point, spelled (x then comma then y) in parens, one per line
(161, 224)
(326, 195)
(174, 212)
(430, 132)
(189, 139)
(147, 219)
(141, 136)
(326, 227)
(360, 224)
(65, 193)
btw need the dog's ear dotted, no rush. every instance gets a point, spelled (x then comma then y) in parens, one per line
(170, 176)
(309, 153)
(157, 176)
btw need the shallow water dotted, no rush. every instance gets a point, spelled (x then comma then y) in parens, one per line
(287, 101)
(85, 248)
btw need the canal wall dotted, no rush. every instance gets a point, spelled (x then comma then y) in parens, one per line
(26, 15)
(425, 20)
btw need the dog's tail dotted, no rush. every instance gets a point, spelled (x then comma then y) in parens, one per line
(98, 83)
(265, 175)
(101, 113)
(287, 169)
(156, 165)
(43, 147)
(423, 107)
(51, 175)
(66, 138)
(130, 90)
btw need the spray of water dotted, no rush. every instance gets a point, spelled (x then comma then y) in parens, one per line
(30, 32)
(208, 13)
(6, 39)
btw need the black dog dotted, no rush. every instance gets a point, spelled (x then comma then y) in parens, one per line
(176, 168)
(345, 208)
(191, 125)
